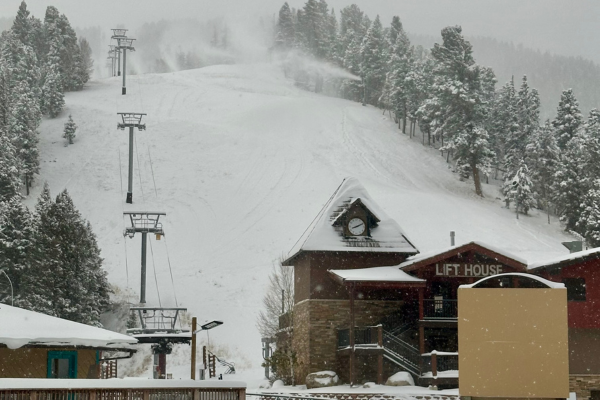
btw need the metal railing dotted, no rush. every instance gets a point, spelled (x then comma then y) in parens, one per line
(402, 353)
(362, 336)
(440, 309)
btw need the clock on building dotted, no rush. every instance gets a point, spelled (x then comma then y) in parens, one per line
(356, 226)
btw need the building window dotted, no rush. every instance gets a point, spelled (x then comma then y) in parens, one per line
(594, 394)
(62, 364)
(575, 289)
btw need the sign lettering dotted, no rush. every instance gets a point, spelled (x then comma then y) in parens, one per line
(467, 270)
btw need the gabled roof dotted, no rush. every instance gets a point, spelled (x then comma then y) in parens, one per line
(502, 256)
(569, 259)
(322, 234)
(21, 327)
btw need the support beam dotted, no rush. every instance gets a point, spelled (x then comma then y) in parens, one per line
(352, 324)
(194, 329)
(143, 279)
(129, 198)
(131, 120)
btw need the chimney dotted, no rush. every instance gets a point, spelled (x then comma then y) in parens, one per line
(574, 246)
(452, 238)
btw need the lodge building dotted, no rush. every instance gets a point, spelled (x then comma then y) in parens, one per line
(355, 266)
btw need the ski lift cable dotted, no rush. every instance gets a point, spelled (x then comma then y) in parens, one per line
(123, 219)
(155, 278)
(171, 272)
(137, 154)
(152, 169)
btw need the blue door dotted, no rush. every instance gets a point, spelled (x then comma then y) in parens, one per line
(62, 364)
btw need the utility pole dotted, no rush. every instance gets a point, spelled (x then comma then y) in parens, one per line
(144, 222)
(131, 120)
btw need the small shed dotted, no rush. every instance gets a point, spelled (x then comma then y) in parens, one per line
(35, 345)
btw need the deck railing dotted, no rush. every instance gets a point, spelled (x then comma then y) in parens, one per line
(440, 309)
(438, 361)
(367, 335)
(120, 389)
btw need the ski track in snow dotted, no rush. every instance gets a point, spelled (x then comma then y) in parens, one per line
(243, 161)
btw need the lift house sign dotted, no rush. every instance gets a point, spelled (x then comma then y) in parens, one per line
(467, 270)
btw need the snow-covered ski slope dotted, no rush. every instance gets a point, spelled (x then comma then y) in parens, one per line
(242, 161)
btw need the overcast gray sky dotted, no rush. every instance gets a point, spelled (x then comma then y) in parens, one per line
(566, 27)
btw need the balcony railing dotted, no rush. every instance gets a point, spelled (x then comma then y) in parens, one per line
(440, 309)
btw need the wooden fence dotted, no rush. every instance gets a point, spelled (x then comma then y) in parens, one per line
(151, 390)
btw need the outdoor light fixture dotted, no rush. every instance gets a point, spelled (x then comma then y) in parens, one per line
(210, 325)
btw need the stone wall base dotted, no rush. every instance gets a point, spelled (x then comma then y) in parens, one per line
(582, 385)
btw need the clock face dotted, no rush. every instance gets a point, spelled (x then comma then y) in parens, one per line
(356, 226)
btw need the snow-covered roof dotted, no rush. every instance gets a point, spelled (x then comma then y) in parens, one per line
(23, 327)
(449, 251)
(376, 274)
(322, 235)
(550, 284)
(568, 259)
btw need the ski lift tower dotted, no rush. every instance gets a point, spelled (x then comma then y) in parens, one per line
(125, 44)
(158, 325)
(118, 33)
(112, 57)
(131, 120)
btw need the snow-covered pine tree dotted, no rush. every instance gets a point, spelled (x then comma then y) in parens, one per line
(542, 157)
(522, 190)
(352, 89)
(41, 281)
(568, 119)
(471, 151)
(21, 26)
(372, 67)
(503, 124)
(399, 65)
(570, 184)
(74, 286)
(69, 131)
(458, 92)
(528, 104)
(285, 32)
(591, 157)
(24, 118)
(589, 221)
(20, 62)
(53, 99)
(17, 244)
(10, 181)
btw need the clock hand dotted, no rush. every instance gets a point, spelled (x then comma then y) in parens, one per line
(356, 226)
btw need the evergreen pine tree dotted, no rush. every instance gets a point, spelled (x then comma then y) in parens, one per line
(570, 185)
(10, 181)
(458, 92)
(589, 221)
(17, 243)
(69, 131)
(372, 67)
(285, 30)
(23, 121)
(70, 282)
(542, 157)
(522, 190)
(568, 119)
(21, 26)
(52, 93)
(352, 89)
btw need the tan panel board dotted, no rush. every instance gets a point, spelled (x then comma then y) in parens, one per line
(513, 343)
(33, 362)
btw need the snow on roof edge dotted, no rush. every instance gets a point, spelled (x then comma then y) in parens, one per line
(550, 284)
(433, 253)
(568, 257)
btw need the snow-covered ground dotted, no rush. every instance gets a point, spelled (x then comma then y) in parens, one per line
(241, 161)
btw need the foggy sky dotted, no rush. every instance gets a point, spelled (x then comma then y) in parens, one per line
(565, 27)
